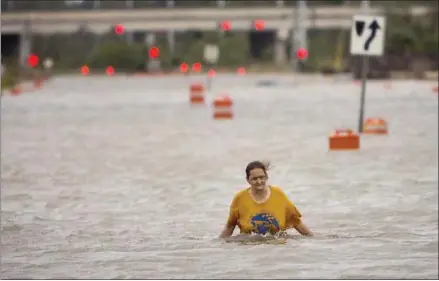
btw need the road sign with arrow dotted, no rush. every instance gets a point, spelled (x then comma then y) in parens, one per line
(368, 35)
(367, 39)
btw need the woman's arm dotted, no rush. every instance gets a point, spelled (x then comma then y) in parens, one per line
(294, 219)
(227, 231)
(303, 229)
(232, 220)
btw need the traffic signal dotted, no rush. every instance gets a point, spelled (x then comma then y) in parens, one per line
(302, 53)
(85, 70)
(226, 25)
(110, 70)
(241, 71)
(211, 73)
(154, 52)
(196, 67)
(184, 67)
(32, 60)
(259, 25)
(119, 29)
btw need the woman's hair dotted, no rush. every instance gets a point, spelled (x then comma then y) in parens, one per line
(256, 165)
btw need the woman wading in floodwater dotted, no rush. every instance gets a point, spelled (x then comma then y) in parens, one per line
(262, 208)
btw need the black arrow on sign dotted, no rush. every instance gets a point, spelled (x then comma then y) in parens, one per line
(359, 27)
(374, 26)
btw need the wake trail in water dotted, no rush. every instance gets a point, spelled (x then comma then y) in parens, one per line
(278, 239)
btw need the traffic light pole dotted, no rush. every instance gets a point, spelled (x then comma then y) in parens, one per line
(294, 27)
(298, 32)
(171, 33)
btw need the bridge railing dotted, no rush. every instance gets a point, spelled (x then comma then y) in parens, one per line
(68, 5)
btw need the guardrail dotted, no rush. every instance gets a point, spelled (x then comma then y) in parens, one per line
(100, 20)
(78, 5)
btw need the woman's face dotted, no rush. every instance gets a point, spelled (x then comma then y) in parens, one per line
(257, 179)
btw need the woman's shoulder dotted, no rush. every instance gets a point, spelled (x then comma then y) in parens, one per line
(277, 190)
(242, 192)
(240, 195)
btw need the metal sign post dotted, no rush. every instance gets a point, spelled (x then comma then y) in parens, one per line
(211, 56)
(367, 39)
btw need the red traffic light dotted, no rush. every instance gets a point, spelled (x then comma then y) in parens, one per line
(85, 70)
(211, 73)
(241, 71)
(259, 25)
(302, 53)
(154, 52)
(184, 67)
(110, 70)
(226, 25)
(32, 60)
(119, 29)
(196, 67)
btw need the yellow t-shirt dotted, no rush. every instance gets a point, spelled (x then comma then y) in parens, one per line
(276, 214)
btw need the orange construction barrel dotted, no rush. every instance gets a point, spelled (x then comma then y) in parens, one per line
(344, 139)
(196, 93)
(375, 126)
(222, 107)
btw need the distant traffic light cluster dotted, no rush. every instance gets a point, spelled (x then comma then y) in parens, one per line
(154, 52)
(226, 25)
(258, 25)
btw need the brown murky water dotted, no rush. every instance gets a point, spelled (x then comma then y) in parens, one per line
(121, 178)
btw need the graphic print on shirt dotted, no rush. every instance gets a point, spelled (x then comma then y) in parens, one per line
(264, 223)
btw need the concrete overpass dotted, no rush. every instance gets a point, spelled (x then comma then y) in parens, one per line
(279, 19)
(99, 21)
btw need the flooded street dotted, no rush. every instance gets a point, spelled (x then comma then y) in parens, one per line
(121, 178)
